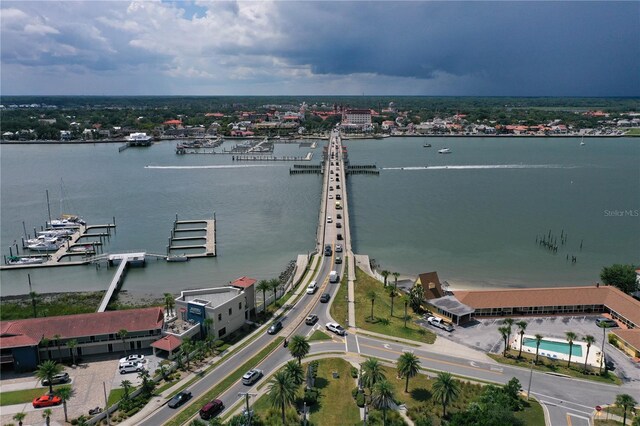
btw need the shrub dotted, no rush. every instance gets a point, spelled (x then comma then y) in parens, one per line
(360, 400)
(355, 391)
(218, 343)
(354, 372)
(310, 396)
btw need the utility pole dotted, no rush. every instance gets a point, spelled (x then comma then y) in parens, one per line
(106, 403)
(246, 399)
(530, 377)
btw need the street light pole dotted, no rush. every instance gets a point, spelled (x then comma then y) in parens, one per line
(246, 399)
(530, 377)
(604, 332)
(106, 403)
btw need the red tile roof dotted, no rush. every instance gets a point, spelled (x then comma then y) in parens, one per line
(172, 122)
(167, 343)
(81, 325)
(243, 282)
(632, 337)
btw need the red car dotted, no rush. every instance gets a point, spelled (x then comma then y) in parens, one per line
(46, 401)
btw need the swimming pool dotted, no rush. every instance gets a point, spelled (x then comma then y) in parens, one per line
(554, 346)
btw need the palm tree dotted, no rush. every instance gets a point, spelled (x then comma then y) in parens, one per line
(571, 336)
(282, 392)
(46, 415)
(19, 417)
(417, 295)
(207, 323)
(263, 286)
(504, 332)
(408, 366)
(65, 393)
(522, 326)
(57, 337)
(395, 279)
(445, 390)
(47, 370)
(382, 398)
(169, 303)
(126, 386)
(625, 401)
(508, 322)
(385, 275)
(186, 347)
(392, 294)
(590, 340)
(539, 338)
(299, 347)
(34, 301)
(273, 285)
(147, 383)
(372, 373)
(406, 302)
(122, 334)
(295, 372)
(71, 344)
(371, 295)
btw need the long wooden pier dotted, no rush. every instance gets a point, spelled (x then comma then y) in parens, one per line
(123, 261)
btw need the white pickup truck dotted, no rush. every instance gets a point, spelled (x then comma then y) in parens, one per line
(440, 323)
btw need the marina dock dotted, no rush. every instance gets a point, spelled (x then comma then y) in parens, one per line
(201, 233)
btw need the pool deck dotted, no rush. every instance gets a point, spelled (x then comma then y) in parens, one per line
(594, 351)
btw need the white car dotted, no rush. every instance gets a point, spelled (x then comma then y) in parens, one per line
(338, 248)
(132, 358)
(336, 328)
(329, 219)
(130, 367)
(312, 287)
(251, 376)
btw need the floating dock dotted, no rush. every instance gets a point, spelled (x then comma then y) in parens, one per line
(202, 235)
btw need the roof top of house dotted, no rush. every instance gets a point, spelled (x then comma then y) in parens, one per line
(451, 305)
(167, 343)
(610, 296)
(243, 282)
(31, 331)
(632, 336)
(431, 284)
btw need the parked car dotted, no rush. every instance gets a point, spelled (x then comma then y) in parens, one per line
(131, 367)
(336, 328)
(338, 259)
(46, 401)
(312, 287)
(132, 358)
(210, 409)
(325, 298)
(311, 319)
(275, 327)
(251, 376)
(606, 322)
(440, 323)
(179, 399)
(57, 379)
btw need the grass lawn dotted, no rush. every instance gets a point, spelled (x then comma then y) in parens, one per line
(116, 395)
(546, 365)
(532, 415)
(383, 322)
(318, 335)
(335, 405)
(633, 132)
(213, 393)
(607, 422)
(23, 396)
(48, 305)
(339, 306)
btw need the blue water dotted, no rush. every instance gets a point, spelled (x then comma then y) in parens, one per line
(559, 347)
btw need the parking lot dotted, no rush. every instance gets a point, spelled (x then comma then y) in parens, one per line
(483, 335)
(87, 379)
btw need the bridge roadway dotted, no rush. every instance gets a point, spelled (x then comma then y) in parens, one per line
(567, 401)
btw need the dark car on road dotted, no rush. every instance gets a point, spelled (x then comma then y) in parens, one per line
(210, 409)
(311, 319)
(338, 259)
(275, 327)
(328, 251)
(325, 298)
(179, 399)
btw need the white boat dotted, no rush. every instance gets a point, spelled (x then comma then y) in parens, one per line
(84, 248)
(582, 141)
(138, 137)
(41, 239)
(444, 151)
(66, 221)
(14, 260)
(178, 258)
(55, 233)
(44, 246)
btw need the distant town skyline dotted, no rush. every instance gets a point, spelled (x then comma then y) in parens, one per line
(320, 48)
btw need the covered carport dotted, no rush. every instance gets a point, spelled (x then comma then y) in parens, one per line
(450, 307)
(168, 343)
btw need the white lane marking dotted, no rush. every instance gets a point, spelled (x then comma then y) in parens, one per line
(386, 346)
(498, 369)
(346, 345)
(564, 403)
(357, 343)
(473, 364)
(580, 417)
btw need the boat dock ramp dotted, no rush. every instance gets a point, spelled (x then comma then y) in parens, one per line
(193, 235)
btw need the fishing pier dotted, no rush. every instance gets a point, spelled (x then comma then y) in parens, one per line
(123, 261)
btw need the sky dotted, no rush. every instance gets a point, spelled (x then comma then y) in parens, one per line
(454, 48)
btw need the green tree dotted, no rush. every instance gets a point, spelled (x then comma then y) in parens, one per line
(408, 366)
(65, 393)
(274, 284)
(19, 417)
(371, 295)
(590, 340)
(385, 274)
(620, 276)
(47, 370)
(571, 336)
(34, 301)
(263, 286)
(72, 344)
(504, 332)
(126, 386)
(372, 373)
(122, 334)
(625, 401)
(508, 322)
(382, 397)
(417, 296)
(282, 392)
(522, 326)
(392, 294)
(207, 323)
(169, 303)
(299, 347)
(445, 390)
(395, 279)
(295, 372)
(46, 415)
(186, 347)
(539, 338)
